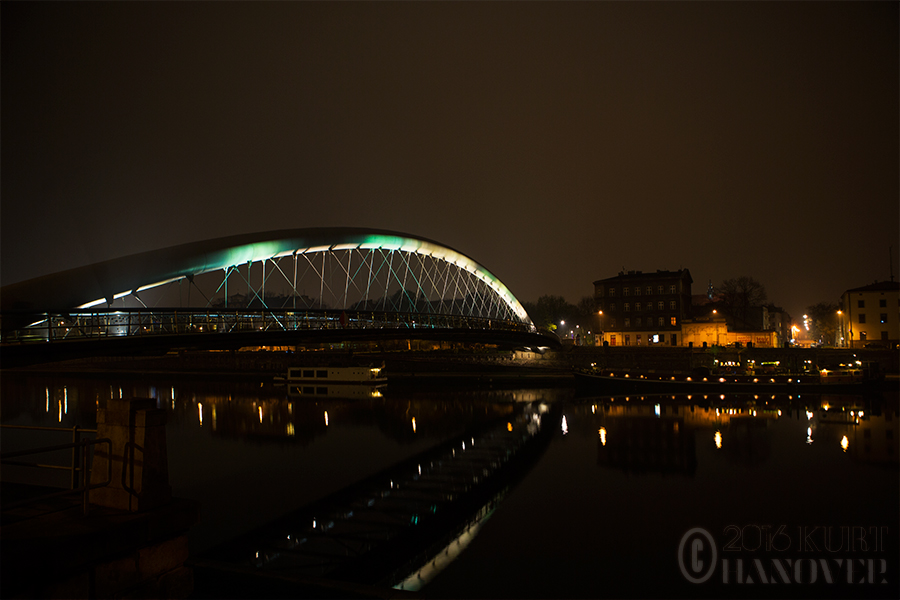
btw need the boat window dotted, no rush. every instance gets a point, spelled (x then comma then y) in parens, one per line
(309, 390)
(322, 391)
(308, 373)
(322, 373)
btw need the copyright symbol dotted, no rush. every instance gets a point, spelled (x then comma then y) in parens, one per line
(697, 555)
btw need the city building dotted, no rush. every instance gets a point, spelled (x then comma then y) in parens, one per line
(712, 328)
(870, 315)
(643, 309)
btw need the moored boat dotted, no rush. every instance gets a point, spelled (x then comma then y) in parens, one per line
(336, 375)
(844, 378)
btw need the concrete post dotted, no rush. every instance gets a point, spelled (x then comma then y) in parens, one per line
(138, 433)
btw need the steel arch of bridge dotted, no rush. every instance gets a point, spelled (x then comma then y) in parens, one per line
(373, 276)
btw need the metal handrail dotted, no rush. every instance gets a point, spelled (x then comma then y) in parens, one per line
(75, 440)
(128, 461)
(84, 488)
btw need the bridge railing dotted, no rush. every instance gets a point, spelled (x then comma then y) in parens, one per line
(89, 324)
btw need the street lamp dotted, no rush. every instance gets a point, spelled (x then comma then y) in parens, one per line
(841, 326)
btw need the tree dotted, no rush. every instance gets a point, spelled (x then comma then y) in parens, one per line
(548, 311)
(825, 322)
(587, 306)
(740, 294)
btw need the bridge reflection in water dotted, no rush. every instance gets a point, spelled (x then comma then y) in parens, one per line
(401, 526)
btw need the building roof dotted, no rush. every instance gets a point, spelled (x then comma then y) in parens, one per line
(878, 286)
(632, 275)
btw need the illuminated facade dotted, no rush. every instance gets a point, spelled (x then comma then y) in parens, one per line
(643, 309)
(713, 329)
(870, 315)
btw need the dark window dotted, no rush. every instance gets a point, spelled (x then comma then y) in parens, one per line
(637, 322)
(883, 318)
(882, 303)
(660, 321)
(674, 339)
(627, 322)
(860, 303)
(884, 335)
(612, 292)
(671, 289)
(626, 307)
(862, 317)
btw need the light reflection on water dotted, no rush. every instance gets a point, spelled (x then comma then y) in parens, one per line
(600, 514)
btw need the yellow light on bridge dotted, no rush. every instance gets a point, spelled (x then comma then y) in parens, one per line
(414, 424)
(845, 443)
(602, 433)
(718, 438)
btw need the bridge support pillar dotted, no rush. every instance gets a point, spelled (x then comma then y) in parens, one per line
(140, 469)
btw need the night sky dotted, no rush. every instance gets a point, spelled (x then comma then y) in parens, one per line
(554, 143)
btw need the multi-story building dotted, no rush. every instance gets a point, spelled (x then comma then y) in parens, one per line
(641, 309)
(870, 315)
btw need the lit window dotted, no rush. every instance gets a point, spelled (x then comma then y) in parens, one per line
(674, 322)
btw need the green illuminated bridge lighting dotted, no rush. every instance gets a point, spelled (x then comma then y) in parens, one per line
(281, 281)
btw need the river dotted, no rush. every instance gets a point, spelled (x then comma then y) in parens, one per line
(655, 496)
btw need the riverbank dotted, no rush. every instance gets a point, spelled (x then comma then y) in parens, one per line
(452, 364)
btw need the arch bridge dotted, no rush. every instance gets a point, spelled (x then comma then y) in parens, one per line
(279, 288)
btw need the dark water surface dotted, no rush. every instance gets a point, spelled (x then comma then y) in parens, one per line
(636, 497)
